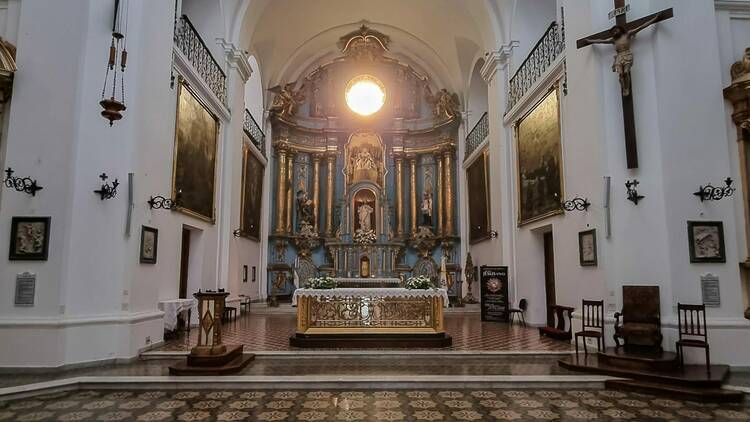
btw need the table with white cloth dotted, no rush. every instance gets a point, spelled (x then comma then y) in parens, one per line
(173, 307)
(370, 311)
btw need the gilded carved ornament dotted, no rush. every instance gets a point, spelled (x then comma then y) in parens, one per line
(739, 92)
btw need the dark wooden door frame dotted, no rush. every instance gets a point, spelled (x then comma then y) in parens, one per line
(184, 262)
(549, 275)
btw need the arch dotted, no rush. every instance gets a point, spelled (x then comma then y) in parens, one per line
(477, 99)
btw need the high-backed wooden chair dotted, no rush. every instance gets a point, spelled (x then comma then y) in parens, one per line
(592, 324)
(559, 331)
(522, 305)
(641, 319)
(691, 326)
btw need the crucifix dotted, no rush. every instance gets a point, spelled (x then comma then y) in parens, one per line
(621, 36)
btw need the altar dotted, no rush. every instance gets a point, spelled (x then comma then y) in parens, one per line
(370, 317)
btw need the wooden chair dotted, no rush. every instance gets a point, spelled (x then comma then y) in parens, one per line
(230, 312)
(641, 319)
(522, 305)
(559, 331)
(592, 325)
(691, 323)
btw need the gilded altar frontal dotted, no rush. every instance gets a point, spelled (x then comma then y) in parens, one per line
(540, 161)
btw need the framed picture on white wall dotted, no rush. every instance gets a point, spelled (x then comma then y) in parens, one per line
(587, 253)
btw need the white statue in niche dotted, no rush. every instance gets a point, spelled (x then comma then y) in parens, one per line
(364, 211)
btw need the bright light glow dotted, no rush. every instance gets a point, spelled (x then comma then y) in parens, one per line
(365, 95)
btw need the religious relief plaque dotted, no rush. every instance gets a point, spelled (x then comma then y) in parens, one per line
(710, 290)
(25, 289)
(493, 283)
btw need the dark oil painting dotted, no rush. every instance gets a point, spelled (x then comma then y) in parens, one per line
(194, 170)
(540, 161)
(252, 193)
(479, 206)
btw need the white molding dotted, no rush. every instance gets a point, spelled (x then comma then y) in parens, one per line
(496, 60)
(236, 59)
(539, 88)
(186, 69)
(62, 322)
(736, 8)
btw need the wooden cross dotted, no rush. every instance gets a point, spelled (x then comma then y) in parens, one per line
(620, 36)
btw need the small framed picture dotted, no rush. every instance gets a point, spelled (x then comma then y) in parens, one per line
(244, 273)
(254, 274)
(706, 241)
(29, 239)
(587, 254)
(149, 244)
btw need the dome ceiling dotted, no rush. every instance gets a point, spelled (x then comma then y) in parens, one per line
(441, 38)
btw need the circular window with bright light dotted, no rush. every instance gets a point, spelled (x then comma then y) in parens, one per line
(365, 95)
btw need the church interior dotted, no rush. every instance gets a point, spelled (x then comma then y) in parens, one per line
(351, 210)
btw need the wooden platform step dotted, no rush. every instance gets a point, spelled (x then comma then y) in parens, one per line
(717, 395)
(370, 341)
(232, 367)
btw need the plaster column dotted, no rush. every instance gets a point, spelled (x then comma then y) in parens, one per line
(316, 190)
(329, 194)
(290, 193)
(439, 192)
(448, 183)
(281, 151)
(399, 196)
(413, 193)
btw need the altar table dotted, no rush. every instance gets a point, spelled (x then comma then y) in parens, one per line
(371, 315)
(174, 307)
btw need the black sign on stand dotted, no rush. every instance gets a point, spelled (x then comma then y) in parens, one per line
(493, 283)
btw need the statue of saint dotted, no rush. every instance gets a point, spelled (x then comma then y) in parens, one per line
(364, 161)
(444, 104)
(364, 211)
(287, 101)
(621, 39)
(304, 207)
(427, 208)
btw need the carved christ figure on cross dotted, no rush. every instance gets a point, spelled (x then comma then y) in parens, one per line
(621, 39)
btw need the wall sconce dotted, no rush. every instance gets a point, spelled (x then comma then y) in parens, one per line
(714, 193)
(21, 184)
(237, 233)
(633, 195)
(159, 202)
(576, 204)
(493, 234)
(107, 191)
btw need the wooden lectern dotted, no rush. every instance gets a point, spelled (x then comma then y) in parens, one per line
(210, 356)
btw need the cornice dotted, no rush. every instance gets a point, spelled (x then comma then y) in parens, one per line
(496, 60)
(236, 58)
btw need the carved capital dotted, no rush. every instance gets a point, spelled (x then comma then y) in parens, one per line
(739, 92)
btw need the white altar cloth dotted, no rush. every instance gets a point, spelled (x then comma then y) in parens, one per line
(360, 280)
(371, 292)
(173, 307)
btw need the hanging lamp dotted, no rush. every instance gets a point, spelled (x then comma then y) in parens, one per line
(114, 104)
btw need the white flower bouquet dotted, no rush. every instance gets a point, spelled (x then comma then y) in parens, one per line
(419, 282)
(324, 282)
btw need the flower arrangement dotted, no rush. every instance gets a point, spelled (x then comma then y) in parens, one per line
(419, 282)
(323, 282)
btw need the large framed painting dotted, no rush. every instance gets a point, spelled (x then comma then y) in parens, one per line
(706, 241)
(252, 193)
(539, 151)
(194, 167)
(479, 203)
(29, 238)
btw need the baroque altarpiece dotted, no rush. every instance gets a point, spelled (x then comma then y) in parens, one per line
(363, 196)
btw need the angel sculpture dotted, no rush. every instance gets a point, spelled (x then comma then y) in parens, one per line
(287, 101)
(444, 104)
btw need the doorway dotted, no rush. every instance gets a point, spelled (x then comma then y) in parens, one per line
(184, 263)
(549, 276)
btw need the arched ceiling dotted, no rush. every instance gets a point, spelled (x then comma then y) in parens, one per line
(442, 38)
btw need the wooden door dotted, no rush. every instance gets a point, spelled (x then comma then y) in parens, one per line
(549, 276)
(184, 262)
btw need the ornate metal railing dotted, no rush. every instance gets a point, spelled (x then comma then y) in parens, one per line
(254, 131)
(544, 53)
(477, 135)
(190, 43)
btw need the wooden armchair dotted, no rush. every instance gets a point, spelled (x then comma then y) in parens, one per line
(559, 331)
(641, 319)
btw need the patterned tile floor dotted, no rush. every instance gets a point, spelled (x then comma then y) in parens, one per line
(334, 405)
(271, 332)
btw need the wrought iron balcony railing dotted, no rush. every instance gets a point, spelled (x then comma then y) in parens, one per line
(190, 43)
(254, 131)
(541, 57)
(477, 135)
